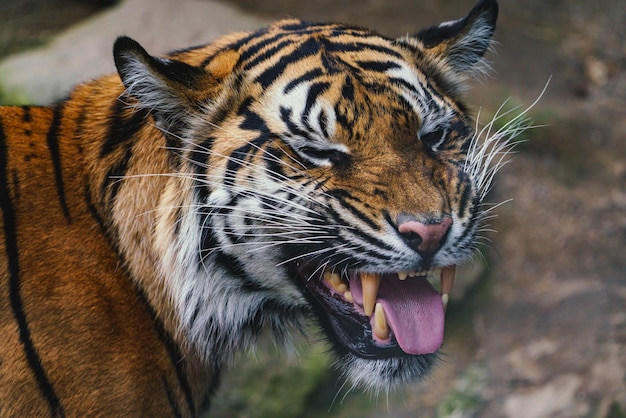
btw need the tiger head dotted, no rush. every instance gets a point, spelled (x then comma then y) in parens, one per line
(318, 170)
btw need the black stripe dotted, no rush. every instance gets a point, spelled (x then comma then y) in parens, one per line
(267, 54)
(53, 145)
(471, 224)
(322, 120)
(94, 212)
(121, 129)
(235, 162)
(347, 91)
(199, 159)
(274, 164)
(16, 183)
(341, 196)
(285, 116)
(80, 127)
(303, 27)
(208, 241)
(308, 48)
(171, 399)
(426, 91)
(347, 94)
(114, 178)
(240, 44)
(370, 239)
(464, 183)
(252, 122)
(26, 116)
(235, 268)
(361, 47)
(378, 66)
(176, 357)
(308, 76)
(10, 234)
(315, 90)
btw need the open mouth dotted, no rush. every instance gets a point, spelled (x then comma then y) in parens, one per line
(381, 315)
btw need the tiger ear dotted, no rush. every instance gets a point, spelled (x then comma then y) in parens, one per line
(171, 90)
(462, 43)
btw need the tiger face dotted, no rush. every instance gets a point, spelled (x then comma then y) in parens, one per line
(317, 171)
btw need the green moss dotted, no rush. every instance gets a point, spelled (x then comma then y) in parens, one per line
(465, 398)
(11, 96)
(269, 383)
(616, 411)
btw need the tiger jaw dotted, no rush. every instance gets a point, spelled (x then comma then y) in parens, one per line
(379, 316)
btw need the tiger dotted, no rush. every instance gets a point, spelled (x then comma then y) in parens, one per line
(156, 221)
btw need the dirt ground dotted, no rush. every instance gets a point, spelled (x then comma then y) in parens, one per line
(543, 334)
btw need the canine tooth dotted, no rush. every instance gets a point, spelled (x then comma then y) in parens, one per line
(347, 295)
(447, 279)
(402, 275)
(342, 288)
(369, 283)
(381, 329)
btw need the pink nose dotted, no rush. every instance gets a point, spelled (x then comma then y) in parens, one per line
(424, 238)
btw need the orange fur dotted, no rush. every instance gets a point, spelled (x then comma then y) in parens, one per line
(88, 317)
(84, 316)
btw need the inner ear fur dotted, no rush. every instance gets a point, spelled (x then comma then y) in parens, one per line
(462, 43)
(170, 89)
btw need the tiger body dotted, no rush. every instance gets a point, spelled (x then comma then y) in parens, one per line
(158, 219)
(68, 272)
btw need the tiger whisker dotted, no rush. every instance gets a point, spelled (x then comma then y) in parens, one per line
(266, 215)
(239, 189)
(312, 253)
(267, 244)
(273, 158)
(498, 145)
(242, 162)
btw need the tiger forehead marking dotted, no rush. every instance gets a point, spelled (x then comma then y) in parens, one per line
(303, 171)
(355, 93)
(332, 62)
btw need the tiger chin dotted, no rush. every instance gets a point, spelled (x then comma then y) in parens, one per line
(156, 220)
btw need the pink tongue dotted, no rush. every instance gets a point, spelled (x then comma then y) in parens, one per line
(413, 309)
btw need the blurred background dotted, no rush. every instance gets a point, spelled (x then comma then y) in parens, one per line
(537, 324)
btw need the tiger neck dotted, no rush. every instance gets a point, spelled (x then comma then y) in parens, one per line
(149, 217)
(128, 169)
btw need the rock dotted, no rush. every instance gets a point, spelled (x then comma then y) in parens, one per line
(84, 52)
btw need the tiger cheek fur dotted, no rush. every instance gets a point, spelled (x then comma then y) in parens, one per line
(304, 171)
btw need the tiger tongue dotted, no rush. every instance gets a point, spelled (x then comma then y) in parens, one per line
(413, 310)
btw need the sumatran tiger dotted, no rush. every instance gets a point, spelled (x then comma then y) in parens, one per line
(156, 220)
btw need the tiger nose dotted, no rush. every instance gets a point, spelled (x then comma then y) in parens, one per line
(425, 238)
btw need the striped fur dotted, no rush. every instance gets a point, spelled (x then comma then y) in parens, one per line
(156, 220)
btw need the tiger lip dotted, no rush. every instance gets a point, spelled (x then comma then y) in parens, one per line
(370, 283)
